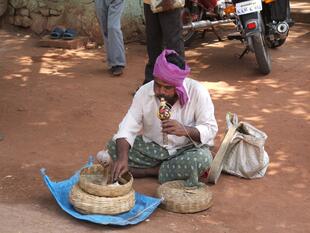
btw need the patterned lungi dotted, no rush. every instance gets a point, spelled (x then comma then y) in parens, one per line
(187, 164)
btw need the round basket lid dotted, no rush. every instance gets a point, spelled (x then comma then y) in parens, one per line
(180, 199)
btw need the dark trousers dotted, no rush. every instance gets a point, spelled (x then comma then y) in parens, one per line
(163, 30)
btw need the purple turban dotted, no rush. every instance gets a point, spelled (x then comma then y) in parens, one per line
(172, 74)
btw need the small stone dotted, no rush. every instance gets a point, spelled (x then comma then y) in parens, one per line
(39, 23)
(19, 3)
(91, 45)
(11, 19)
(54, 12)
(11, 10)
(55, 6)
(33, 6)
(54, 21)
(21, 109)
(26, 22)
(1, 136)
(23, 12)
(42, 4)
(18, 20)
(3, 6)
(45, 11)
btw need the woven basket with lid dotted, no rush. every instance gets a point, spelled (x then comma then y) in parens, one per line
(90, 204)
(180, 199)
(93, 181)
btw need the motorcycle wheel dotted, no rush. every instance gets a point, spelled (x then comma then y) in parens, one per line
(187, 18)
(262, 54)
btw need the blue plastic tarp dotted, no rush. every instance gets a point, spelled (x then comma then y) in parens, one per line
(144, 205)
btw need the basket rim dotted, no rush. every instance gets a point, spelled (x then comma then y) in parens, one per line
(104, 190)
(86, 203)
(181, 199)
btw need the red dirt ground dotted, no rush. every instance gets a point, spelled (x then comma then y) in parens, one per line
(59, 106)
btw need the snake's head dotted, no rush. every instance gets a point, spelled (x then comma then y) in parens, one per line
(104, 158)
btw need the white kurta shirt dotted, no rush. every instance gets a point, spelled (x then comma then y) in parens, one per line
(142, 117)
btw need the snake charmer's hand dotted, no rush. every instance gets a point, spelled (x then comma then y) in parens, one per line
(173, 127)
(120, 166)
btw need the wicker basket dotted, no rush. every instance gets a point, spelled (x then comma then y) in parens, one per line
(89, 204)
(93, 181)
(180, 199)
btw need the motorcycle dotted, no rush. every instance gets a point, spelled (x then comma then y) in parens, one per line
(260, 25)
(197, 10)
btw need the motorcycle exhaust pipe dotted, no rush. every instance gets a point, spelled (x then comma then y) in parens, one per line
(204, 24)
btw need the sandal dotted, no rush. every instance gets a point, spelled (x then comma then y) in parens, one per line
(57, 33)
(69, 34)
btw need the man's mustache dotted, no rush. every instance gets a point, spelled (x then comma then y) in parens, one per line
(162, 96)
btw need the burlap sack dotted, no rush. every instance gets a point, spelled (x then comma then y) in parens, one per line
(247, 157)
(241, 152)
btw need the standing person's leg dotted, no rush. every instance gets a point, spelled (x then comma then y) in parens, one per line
(115, 46)
(171, 26)
(102, 15)
(188, 165)
(153, 41)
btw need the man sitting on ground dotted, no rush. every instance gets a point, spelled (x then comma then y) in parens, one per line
(191, 128)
